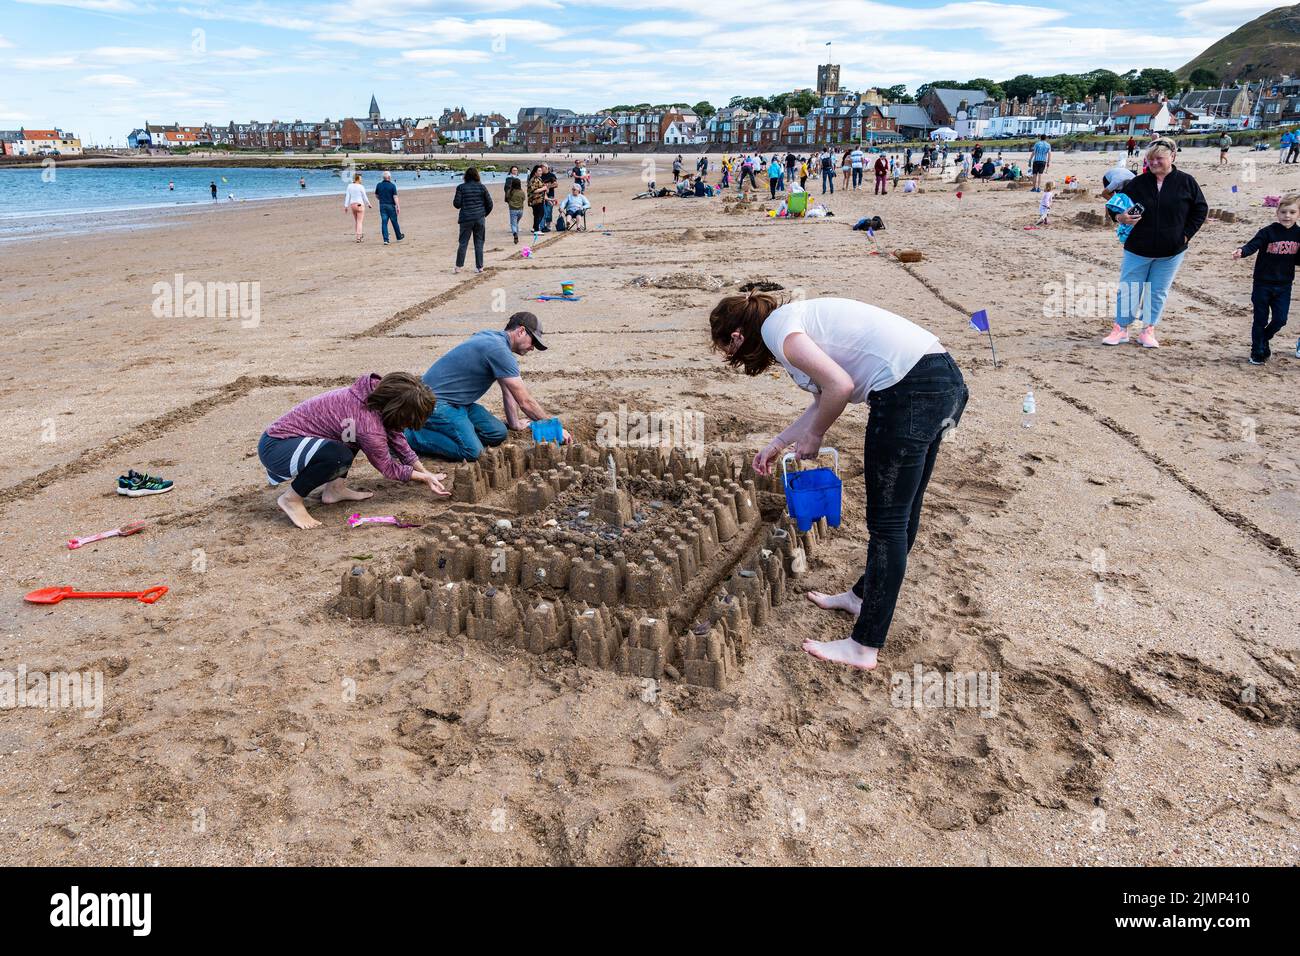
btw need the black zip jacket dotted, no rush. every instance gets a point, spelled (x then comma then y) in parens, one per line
(1278, 247)
(1174, 214)
(473, 201)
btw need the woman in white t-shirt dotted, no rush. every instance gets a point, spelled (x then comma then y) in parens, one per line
(843, 351)
(356, 202)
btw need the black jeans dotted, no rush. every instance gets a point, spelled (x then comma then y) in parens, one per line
(478, 229)
(906, 424)
(1266, 297)
(538, 211)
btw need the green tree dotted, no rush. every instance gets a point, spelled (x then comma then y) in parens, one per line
(804, 102)
(1021, 87)
(1202, 77)
(1163, 81)
(704, 109)
(1105, 83)
(897, 94)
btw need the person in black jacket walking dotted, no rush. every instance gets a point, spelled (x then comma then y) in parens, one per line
(475, 206)
(1173, 209)
(1278, 245)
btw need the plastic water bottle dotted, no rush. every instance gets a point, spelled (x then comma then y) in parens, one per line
(1030, 408)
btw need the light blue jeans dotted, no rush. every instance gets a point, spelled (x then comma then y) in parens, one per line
(1143, 287)
(457, 432)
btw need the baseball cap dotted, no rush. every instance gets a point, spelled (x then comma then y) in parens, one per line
(528, 321)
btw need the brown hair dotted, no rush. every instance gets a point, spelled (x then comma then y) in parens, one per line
(1290, 199)
(745, 313)
(471, 174)
(402, 401)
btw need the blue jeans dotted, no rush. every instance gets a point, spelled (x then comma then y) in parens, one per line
(1266, 297)
(387, 213)
(828, 176)
(548, 213)
(1143, 287)
(857, 176)
(456, 432)
(515, 216)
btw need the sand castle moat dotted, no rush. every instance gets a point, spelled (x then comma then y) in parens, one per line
(650, 565)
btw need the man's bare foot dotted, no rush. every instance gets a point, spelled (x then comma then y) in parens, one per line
(846, 651)
(293, 506)
(844, 601)
(336, 490)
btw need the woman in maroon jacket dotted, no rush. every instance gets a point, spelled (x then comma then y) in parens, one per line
(312, 446)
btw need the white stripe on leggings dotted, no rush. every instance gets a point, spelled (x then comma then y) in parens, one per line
(314, 448)
(297, 453)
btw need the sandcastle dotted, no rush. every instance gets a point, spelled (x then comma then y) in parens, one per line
(653, 566)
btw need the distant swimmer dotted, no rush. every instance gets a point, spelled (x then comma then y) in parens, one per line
(302, 182)
(171, 185)
(212, 186)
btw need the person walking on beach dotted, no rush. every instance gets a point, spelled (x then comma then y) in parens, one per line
(828, 170)
(790, 161)
(803, 174)
(475, 205)
(313, 445)
(516, 198)
(536, 190)
(212, 187)
(882, 172)
(773, 176)
(844, 351)
(1278, 245)
(1225, 144)
(551, 181)
(357, 202)
(460, 427)
(386, 193)
(1170, 211)
(857, 161)
(1041, 159)
(677, 169)
(846, 165)
(1132, 145)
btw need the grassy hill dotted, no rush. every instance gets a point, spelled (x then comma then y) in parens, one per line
(1264, 47)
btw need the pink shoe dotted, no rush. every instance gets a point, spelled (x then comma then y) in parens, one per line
(1147, 338)
(1118, 336)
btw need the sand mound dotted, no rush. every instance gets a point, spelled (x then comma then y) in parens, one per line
(908, 255)
(679, 280)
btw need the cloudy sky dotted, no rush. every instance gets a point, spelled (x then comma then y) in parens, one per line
(102, 67)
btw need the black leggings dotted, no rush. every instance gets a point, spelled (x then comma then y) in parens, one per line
(538, 211)
(478, 229)
(904, 429)
(307, 463)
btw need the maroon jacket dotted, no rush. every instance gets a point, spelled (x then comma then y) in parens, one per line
(343, 412)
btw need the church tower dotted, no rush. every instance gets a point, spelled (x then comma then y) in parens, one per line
(374, 108)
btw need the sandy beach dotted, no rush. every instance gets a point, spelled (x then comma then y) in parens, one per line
(1129, 566)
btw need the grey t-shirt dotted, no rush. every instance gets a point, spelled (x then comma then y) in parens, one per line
(463, 375)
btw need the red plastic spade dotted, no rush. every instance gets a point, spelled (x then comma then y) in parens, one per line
(55, 595)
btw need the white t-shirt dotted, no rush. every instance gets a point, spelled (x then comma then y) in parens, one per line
(356, 194)
(874, 346)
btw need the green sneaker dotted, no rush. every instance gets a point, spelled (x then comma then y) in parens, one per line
(135, 485)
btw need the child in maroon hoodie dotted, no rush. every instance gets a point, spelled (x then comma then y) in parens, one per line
(313, 445)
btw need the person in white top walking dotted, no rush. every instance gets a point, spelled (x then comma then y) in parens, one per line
(356, 202)
(843, 351)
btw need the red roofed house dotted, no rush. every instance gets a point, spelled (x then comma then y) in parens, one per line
(1137, 119)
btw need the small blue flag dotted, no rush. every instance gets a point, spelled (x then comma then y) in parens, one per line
(1234, 189)
(980, 321)
(871, 232)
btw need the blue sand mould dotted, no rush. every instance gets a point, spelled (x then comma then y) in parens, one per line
(549, 430)
(813, 494)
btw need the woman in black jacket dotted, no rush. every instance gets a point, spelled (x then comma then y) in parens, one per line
(1173, 210)
(475, 205)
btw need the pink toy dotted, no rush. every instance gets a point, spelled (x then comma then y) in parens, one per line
(122, 532)
(1271, 202)
(355, 520)
(526, 252)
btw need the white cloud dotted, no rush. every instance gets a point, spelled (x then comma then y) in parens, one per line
(100, 6)
(130, 54)
(240, 53)
(111, 79)
(5, 44)
(1223, 16)
(445, 56)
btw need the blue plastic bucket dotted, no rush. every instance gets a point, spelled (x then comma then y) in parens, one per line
(549, 430)
(813, 494)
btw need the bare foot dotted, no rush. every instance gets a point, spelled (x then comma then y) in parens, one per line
(293, 506)
(337, 491)
(846, 651)
(844, 601)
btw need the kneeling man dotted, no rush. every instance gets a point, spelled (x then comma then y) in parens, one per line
(459, 427)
